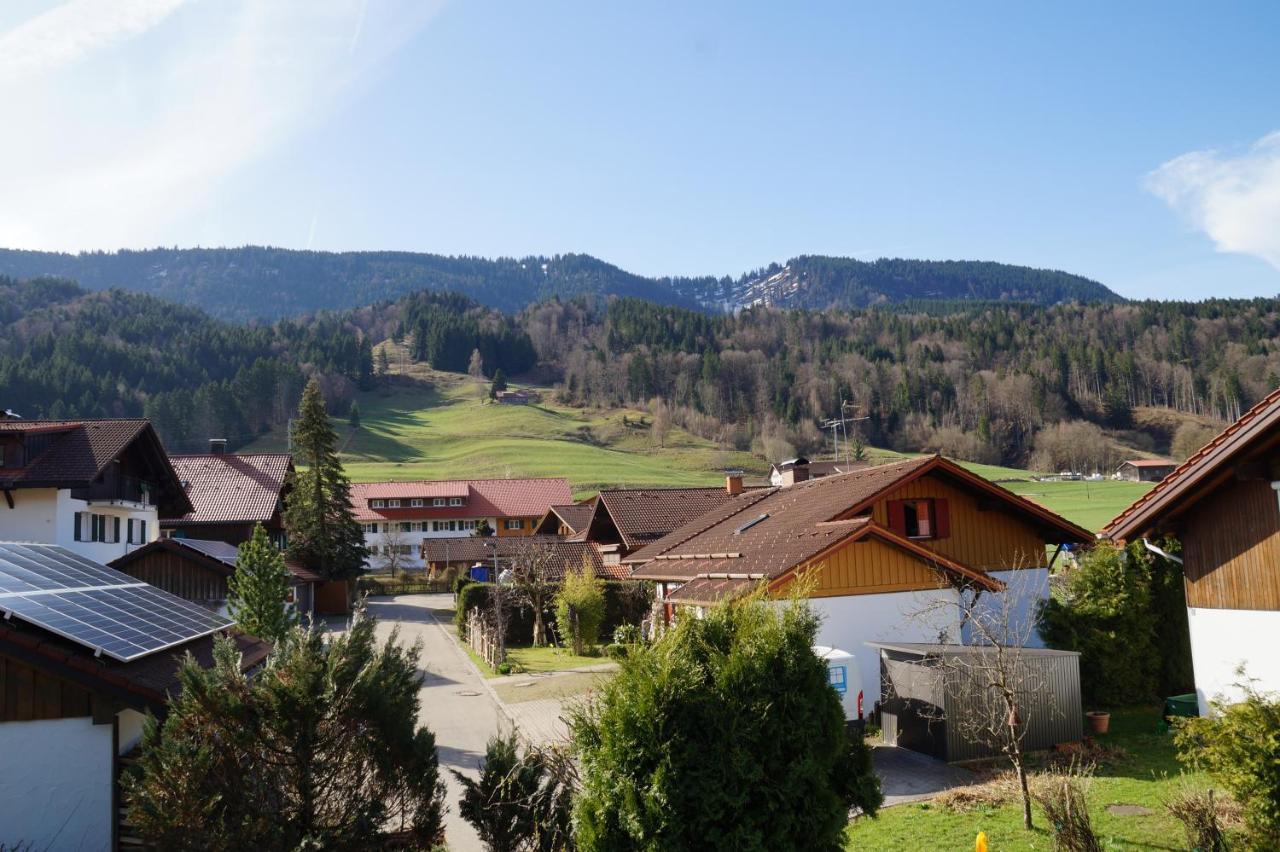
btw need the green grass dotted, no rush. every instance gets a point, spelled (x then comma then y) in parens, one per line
(440, 426)
(1147, 776)
(560, 687)
(530, 660)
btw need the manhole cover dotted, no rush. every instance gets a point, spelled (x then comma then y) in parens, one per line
(1129, 810)
(468, 693)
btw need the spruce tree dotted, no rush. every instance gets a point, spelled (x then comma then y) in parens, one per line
(258, 591)
(323, 532)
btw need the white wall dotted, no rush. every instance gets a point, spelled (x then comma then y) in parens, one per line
(130, 724)
(1024, 589)
(1223, 639)
(55, 787)
(414, 540)
(47, 516)
(849, 622)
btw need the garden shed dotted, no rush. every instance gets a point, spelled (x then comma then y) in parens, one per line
(933, 697)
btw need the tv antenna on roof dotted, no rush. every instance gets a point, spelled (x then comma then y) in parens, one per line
(839, 427)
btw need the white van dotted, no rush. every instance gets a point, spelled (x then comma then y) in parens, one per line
(845, 678)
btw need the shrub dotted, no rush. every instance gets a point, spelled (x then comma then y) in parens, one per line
(1240, 748)
(504, 668)
(1124, 611)
(625, 602)
(615, 651)
(723, 734)
(1199, 815)
(521, 801)
(580, 608)
(627, 634)
(460, 582)
(1062, 797)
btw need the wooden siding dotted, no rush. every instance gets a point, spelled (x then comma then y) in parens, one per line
(179, 576)
(1231, 548)
(28, 694)
(526, 526)
(866, 567)
(990, 538)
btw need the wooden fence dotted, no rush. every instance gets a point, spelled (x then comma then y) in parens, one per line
(483, 639)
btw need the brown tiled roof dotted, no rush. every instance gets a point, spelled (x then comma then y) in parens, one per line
(575, 516)
(144, 684)
(708, 591)
(643, 515)
(498, 498)
(82, 449)
(1200, 472)
(232, 488)
(478, 550)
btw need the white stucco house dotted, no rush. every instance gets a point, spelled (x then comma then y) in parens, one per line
(96, 487)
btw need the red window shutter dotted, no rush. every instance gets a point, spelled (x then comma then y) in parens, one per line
(941, 519)
(897, 517)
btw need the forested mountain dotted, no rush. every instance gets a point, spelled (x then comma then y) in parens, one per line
(68, 352)
(998, 381)
(269, 283)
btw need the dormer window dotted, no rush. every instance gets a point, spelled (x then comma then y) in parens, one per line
(438, 501)
(415, 503)
(377, 504)
(455, 501)
(393, 504)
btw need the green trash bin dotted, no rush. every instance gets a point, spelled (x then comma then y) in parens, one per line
(1180, 705)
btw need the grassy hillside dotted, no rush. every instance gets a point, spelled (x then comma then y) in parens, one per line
(438, 425)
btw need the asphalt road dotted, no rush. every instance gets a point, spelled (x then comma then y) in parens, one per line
(454, 704)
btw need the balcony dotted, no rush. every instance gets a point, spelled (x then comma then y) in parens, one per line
(119, 491)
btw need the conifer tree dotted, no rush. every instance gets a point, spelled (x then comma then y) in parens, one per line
(323, 532)
(258, 591)
(353, 417)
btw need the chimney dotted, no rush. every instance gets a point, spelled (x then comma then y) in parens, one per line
(217, 446)
(793, 471)
(733, 483)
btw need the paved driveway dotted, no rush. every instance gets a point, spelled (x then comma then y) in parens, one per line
(908, 776)
(454, 703)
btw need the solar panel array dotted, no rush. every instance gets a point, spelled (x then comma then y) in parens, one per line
(96, 606)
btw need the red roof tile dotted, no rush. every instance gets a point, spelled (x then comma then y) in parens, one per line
(498, 498)
(232, 487)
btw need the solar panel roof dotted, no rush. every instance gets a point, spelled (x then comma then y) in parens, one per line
(96, 606)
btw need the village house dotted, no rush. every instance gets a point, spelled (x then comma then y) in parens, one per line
(1222, 506)
(231, 493)
(874, 547)
(85, 653)
(403, 515)
(484, 558)
(566, 521)
(96, 487)
(1145, 470)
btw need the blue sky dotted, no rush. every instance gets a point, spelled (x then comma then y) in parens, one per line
(1132, 142)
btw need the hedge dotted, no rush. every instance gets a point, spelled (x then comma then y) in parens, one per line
(626, 602)
(389, 586)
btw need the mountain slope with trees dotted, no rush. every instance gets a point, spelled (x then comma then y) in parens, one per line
(255, 282)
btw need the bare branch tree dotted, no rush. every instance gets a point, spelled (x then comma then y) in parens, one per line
(988, 675)
(395, 548)
(535, 578)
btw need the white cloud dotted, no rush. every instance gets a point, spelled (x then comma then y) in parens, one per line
(1233, 199)
(120, 125)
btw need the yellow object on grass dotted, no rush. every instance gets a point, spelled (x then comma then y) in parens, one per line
(980, 845)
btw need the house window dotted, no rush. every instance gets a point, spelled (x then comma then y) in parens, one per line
(393, 504)
(416, 503)
(405, 526)
(514, 523)
(377, 504)
(437, 501)
(455, 501)
(920, 519)
(136, 531)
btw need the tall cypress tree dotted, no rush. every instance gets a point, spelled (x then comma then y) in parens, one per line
(323, 533)
(257, 592)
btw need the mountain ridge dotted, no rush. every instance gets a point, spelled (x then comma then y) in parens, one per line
(265, 283)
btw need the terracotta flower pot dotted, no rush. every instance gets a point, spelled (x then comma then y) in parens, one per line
(1099, 721)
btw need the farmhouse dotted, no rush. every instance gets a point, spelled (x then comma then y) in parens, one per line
(96, 487)
(1221, 504)
(1145, 470)
(874, 547)
(85, 653)
(403, 515)
(626, 519)
(230, 493)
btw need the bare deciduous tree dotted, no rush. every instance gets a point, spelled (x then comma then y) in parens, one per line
(535, 577)
(987, 674)
(661, 425)
(393, 557)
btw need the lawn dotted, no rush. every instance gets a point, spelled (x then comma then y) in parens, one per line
(1146, 775)
(529, 660)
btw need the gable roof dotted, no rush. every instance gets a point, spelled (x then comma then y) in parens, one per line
(1206, 469)
(1149, 463)
(78, 451)
(217, 556)
(565, 553)
(575, 516)
(500, 498)
(644, 515)
(231, 488)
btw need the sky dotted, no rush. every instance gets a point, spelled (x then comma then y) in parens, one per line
(1137, 144)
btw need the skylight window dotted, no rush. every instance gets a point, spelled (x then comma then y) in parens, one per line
(749, 524)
